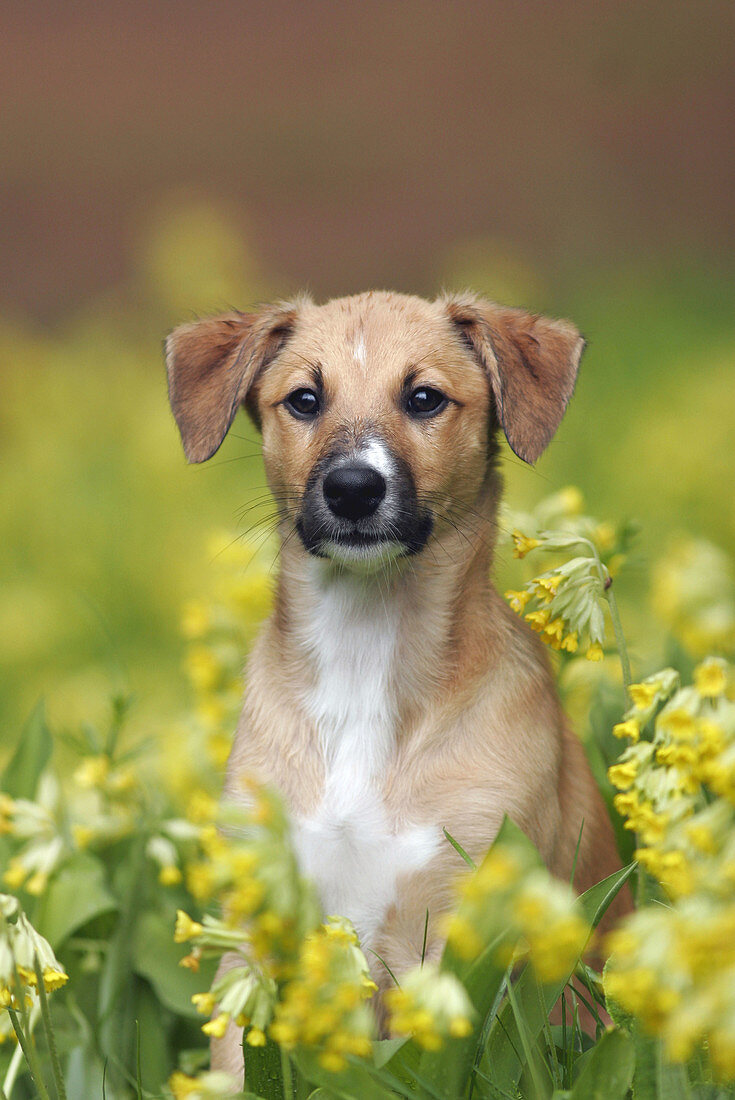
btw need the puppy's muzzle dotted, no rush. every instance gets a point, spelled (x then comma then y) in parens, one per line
(354, 492)
(359, 508)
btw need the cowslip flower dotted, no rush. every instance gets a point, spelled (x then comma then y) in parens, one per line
(324, 1005)
(515, 903)
(20, 947)
(205, 1086)
(693, 593)
(430, 1006)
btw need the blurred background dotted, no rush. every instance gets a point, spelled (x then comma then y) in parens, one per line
(162, 160)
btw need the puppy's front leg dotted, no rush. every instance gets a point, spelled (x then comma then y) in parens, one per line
(227, 1051)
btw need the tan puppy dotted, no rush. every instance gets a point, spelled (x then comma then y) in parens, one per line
(392, 692)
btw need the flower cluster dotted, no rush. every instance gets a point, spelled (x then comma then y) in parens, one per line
(320, 1004)
(693, 593)
(219, 631)
(511, 900)
(324, 1004)
(674, 966)
(249, 866)
(103, 803)
(289, 975)
(205, 1086)
(430, 1006)
(22, 950)
(565, 605)
(677, 790)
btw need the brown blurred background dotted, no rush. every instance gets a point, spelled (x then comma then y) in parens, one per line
(163, 159)
(357, 143)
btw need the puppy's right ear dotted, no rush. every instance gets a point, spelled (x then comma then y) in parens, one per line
(212, 365)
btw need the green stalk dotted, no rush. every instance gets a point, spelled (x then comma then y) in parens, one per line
(13, 1068)
(48, 1028)
(288, 1092)
(612, 604)
(29, 1053)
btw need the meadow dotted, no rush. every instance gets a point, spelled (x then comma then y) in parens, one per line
(131, 587)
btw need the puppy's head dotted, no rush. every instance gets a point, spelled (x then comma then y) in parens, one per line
(379, 411)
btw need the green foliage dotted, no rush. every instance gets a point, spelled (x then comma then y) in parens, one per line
(99, 548)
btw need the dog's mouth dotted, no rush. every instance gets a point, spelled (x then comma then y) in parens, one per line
(356, 545)
(362, 507)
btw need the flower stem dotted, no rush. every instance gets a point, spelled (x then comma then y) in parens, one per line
(286, 1074)
(48, 1028)
(26, 1044)
(612, 603)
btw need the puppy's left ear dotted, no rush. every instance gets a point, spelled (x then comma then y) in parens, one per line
(531, 363)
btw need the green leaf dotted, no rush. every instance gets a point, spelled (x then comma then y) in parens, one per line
(597, 900)
(673, 1082)
(609, 1071)
(155, 1056)
(503, 1057)
(156, 957)
(75, 896)
(449, 1069)
(32, 754)
(353, 1083)
(263, 1070)
(384, 1050)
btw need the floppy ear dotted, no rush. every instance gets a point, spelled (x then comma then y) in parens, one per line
(531, 363)
(212, 365)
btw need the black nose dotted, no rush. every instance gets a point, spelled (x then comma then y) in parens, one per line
(353, 492)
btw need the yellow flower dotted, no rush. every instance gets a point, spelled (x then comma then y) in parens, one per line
(678, 721)
(547, 587)
(218, 1026)
(83, 835)
(54, 978)
(201, 808)
(37, 883)
(93, 771)
(523, 544)
(204, 1003)
(15, 875)
(517, 599)
(594, 653)
(182, 1086)
(555, 631)
(169, 875)
(604, 537)
(462, 937)
(196, 619)
(331, 1061)
(623, 775)
(710, 678)
(571, 500)
(643, 695)
(186, 928)
(570, 643)
(190, 962)
(255, 1037)
(538, 619)
(629, 729)
(204, 669)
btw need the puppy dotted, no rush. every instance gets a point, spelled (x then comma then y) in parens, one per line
(392, 692)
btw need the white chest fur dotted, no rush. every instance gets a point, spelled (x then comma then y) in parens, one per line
(349, 846)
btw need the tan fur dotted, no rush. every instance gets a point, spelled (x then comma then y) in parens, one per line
(480, 731)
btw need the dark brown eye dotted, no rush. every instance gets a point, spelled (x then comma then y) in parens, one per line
(303, 404)
(425, 401)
